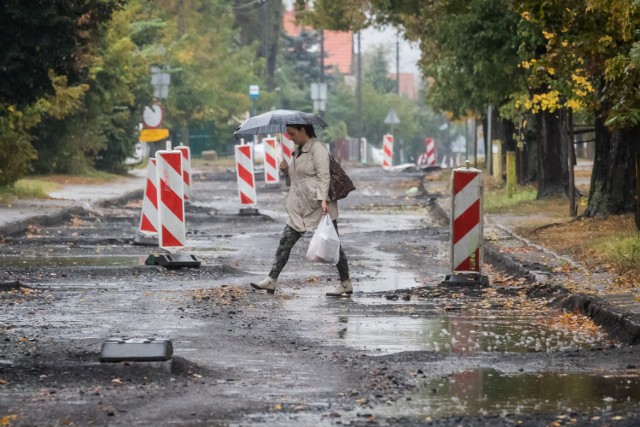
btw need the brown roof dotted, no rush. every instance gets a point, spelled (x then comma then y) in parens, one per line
(338, 45)
(407, 84)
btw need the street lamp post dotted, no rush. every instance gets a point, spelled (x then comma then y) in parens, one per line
(319, 97)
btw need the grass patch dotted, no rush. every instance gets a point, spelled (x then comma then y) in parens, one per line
(91, 177)
(28, 188)
(623, 252)
(496, 200)
(612, 243)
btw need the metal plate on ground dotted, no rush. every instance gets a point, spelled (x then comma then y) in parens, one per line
(172, 261)
(136, 350)
(466, 280)
(248, 212)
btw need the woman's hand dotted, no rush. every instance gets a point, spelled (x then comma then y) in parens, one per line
(284, 166)
(325, 209)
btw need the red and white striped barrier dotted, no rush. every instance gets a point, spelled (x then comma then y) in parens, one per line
(244, 170)
(466, 221)
(287, 149)
(186, 169)
(387, 151)
(170, 199)
(432, 159)
(149, 216)
(271, 175)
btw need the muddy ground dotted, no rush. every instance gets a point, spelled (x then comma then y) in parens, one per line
(404, 350)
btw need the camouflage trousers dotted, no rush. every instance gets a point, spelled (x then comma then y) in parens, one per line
(288, 239)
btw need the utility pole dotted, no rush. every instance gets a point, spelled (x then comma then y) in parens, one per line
(321, 55)
(359, 96)
(398, 64)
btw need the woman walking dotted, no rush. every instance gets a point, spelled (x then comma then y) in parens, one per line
(306, 203)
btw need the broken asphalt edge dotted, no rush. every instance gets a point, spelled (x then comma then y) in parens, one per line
(613, 319)
(64, 213)
(617, 323)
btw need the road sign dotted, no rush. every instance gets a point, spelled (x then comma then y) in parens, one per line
(152, 116)
(153, 135)
(392, 117)
(254, 91)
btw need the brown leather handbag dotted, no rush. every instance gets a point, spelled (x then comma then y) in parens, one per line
(340, 185)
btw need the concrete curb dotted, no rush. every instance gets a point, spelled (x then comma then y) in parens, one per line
(606, 312)
(54, 218)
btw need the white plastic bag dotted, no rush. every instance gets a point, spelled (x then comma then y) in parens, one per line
(325, 243)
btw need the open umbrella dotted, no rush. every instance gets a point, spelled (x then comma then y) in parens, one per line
(276, 121)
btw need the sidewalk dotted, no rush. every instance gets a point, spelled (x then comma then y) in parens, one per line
(562, 281)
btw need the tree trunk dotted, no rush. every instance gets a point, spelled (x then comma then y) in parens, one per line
(552, 160)
(612, 189)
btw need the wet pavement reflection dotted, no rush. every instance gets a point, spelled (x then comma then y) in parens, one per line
(488, 391)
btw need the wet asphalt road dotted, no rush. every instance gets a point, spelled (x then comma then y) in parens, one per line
(404, 350)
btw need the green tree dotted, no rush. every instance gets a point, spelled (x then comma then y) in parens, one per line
(39, 37)
(101, 131)
(210, 70)
(587, 64)
(45, 59)
(260, 24)
(378, 72)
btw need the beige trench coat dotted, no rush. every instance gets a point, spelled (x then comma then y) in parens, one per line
(309, 185)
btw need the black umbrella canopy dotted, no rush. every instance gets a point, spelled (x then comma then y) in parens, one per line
(276, 121)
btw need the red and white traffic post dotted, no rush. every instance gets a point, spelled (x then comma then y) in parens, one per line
(171, 213)
(186, 169)
(287, 149)
(387, 151)
(148, 226)
(171, 199)
(467, 250)
(271, 167)
(432, 159)
(246, 180)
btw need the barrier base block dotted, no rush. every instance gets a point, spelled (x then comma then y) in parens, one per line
(248, 212)
(145, 240)
(466, 280)
(136, 350)
(173, 261)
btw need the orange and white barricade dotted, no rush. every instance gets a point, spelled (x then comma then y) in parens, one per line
(149, 215)
(186, 169)
(271, 174)
(432, 159)
(387, 151)
(246, 179)
(171, 215)
(467, 251)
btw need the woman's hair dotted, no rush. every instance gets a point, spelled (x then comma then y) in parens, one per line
(309, 130)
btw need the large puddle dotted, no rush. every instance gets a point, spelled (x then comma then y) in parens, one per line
(490, 392)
